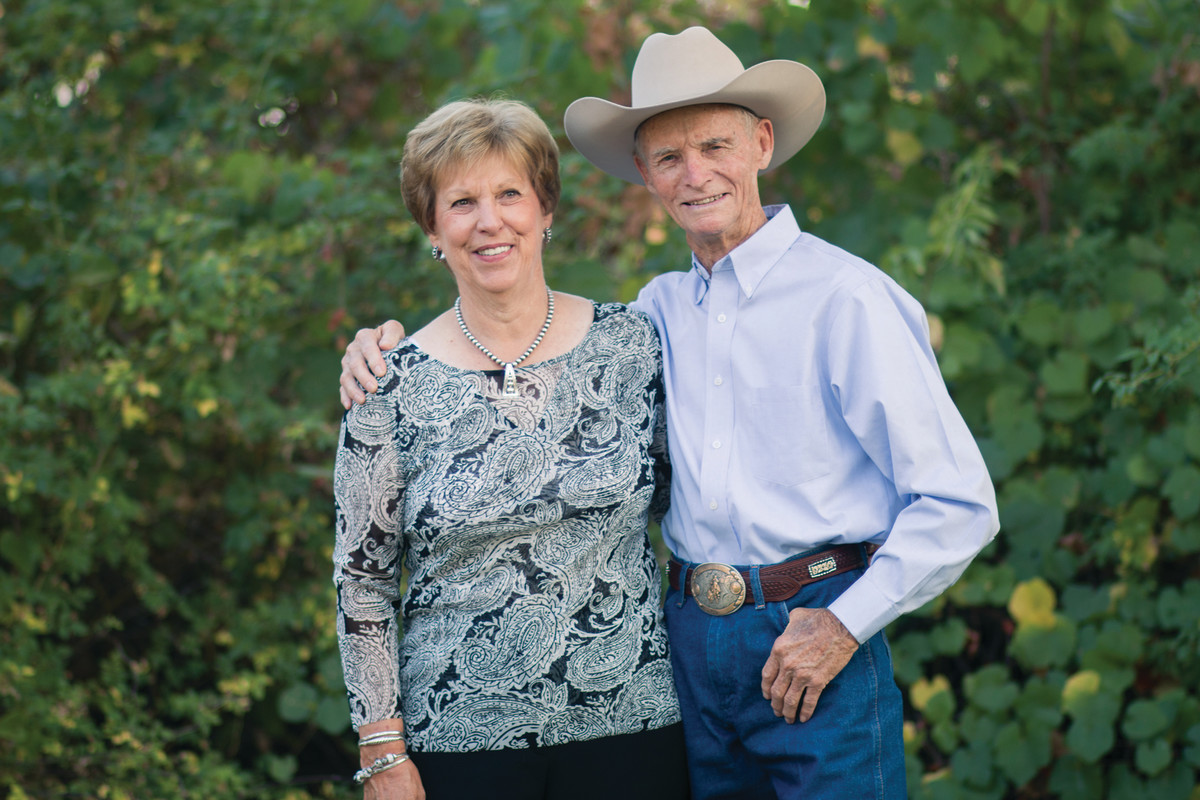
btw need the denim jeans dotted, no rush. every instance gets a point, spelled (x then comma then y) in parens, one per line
(852, 748)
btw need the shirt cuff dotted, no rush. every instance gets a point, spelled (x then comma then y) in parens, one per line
(863, 609)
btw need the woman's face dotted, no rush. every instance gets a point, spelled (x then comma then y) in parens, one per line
(489, 221)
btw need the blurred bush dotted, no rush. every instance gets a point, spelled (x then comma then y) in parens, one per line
(199, 205)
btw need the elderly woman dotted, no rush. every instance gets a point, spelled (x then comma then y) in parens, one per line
(508, 462)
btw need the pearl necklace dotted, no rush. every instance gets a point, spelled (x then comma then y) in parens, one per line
(510, 377)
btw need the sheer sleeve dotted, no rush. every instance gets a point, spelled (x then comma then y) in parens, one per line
(368, 553)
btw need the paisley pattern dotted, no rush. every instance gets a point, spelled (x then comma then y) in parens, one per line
(531, 611)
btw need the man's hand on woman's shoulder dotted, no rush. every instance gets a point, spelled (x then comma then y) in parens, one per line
(363, 364)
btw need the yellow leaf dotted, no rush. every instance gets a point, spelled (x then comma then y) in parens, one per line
(132, 415)
(1079, 687)
(1032, 603)
(12, 485)
(923, 690)
(868, 46)
(100, 493)
(26, 616)
(206, 407)
(905, 147)
(148, 388)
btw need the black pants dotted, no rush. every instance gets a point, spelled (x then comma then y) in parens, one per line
(635, 766)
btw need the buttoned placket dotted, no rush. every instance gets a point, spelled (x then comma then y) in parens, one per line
(722, 301)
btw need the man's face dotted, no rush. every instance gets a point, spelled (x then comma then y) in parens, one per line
(702, 164)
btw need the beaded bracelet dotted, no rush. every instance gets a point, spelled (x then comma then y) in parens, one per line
(382, 764)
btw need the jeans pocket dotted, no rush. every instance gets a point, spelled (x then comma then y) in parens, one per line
(788, 435)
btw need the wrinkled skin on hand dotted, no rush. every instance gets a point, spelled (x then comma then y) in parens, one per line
(363, 363)
(806, 657)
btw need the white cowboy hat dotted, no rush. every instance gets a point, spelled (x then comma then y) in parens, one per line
(691, 68)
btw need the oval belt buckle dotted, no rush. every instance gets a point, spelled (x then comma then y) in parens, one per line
(718, 588)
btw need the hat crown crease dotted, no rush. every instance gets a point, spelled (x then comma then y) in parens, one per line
(678, 74)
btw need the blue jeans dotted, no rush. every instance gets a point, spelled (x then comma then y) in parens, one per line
(737, 748)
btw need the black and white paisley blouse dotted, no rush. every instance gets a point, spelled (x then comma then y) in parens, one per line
(531, 614)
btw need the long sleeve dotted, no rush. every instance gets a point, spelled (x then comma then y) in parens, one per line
(367, 558)
(896, 405)
(807, 410)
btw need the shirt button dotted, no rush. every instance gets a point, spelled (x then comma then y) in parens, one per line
(712, 504)
(717, 444)
(717, 381)
(720, 317)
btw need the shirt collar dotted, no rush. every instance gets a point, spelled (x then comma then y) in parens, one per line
(752, 259)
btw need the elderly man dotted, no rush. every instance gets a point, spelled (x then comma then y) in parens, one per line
(823, 483)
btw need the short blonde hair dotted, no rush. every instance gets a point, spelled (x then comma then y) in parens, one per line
(463, 133)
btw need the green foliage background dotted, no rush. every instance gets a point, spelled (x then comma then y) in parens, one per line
(198, 205)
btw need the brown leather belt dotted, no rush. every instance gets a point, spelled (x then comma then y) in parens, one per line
(720, 589)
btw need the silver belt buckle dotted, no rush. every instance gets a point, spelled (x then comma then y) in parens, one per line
(718, 588)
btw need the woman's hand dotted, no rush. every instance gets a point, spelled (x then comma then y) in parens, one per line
(401, 782)
(398, 783)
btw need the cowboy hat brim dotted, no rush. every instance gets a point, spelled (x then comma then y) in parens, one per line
(786, 92)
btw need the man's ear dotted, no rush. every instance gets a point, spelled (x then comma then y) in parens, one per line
(764, 137)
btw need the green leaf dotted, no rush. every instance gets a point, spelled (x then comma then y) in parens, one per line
(1066, 373)
(1038, 646)
(1182, 488)
(1082, 603)
(333, 715)
(281, 768)
(973, 764)
(1186, 537)
(1153, 756)
(1074, 779)
(945, 736)
(1179, 609)
(1191, 751)
(1021, 752)
(1145, 719)
(1090, 737)
(1040, 703)
(991, 689)
(1090, 325)
(1041, 323)
(1191, 433)
(298, 702)
(950, 637)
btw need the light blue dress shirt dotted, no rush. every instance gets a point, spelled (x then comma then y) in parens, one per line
(805, 408)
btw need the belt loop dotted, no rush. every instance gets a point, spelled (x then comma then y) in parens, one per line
(760, 601)
(683, 582)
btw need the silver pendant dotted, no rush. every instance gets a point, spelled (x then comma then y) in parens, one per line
(510, 381)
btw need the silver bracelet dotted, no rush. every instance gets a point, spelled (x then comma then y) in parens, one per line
(382, 764)
(381, 737)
